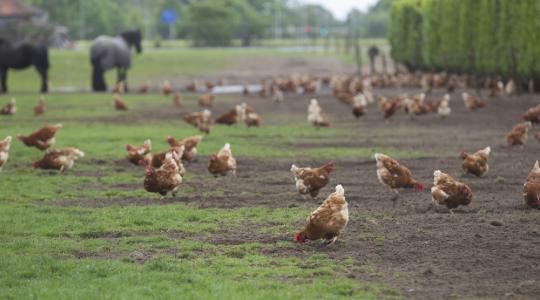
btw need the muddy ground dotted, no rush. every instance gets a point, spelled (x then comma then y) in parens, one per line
(490, 249)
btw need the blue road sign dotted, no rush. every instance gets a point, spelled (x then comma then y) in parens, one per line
(324, 31)
(168, 16)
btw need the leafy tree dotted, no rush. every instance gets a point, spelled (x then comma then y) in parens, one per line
(248, 22)
(210, 23)
(97, 17)
(486, 39)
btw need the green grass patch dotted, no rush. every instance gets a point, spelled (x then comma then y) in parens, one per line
(40, 244)
(72, 68)
(158, 251)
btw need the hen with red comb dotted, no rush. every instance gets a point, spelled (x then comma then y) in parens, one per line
(328, 221)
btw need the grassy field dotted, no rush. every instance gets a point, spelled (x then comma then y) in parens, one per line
(94, 231)
(71, 68)
(54, 250)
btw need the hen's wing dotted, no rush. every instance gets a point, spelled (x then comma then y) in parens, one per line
(438, 194)
(191, 142)
(531, 192)
(440, 178)
(328, 217)
(395, 169)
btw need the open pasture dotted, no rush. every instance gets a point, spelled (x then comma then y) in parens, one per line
(95, 230)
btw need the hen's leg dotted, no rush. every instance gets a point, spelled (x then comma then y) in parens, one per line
(395, 198)
(331, 241)
(396, 194)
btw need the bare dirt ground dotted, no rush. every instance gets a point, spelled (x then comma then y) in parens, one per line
(490, 249)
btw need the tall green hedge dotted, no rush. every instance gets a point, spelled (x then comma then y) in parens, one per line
(483, 37)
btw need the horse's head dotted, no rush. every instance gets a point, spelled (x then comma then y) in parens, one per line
(133, 38)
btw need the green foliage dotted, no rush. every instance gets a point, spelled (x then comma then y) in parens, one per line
(371, 24)
(405, 32)
(249, 23)
(210, 23)
(487, 24)
(96, 17)
(482, 37)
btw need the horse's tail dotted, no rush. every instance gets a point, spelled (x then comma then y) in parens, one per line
(98, 82)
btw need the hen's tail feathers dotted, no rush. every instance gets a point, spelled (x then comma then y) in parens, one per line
(78, 153)
(181, 151)
(436, 176)
(340, 190)
(148, 143)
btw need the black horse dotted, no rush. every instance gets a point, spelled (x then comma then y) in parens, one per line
(21, 56)
(113, 52)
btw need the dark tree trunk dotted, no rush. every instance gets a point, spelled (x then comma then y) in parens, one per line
(246, 40)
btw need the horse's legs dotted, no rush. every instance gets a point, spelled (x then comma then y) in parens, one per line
(122, 76)
(44, 79)
(125, 80)
(118, 75)
(98, 82)
(3, 80)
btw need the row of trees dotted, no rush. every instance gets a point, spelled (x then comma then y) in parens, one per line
(213, 22)
(87, 19)
(482, 37)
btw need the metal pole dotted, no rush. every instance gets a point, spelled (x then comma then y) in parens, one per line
(81, 21)
(358, 56)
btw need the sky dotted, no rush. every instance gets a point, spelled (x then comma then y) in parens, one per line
(340, 8)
